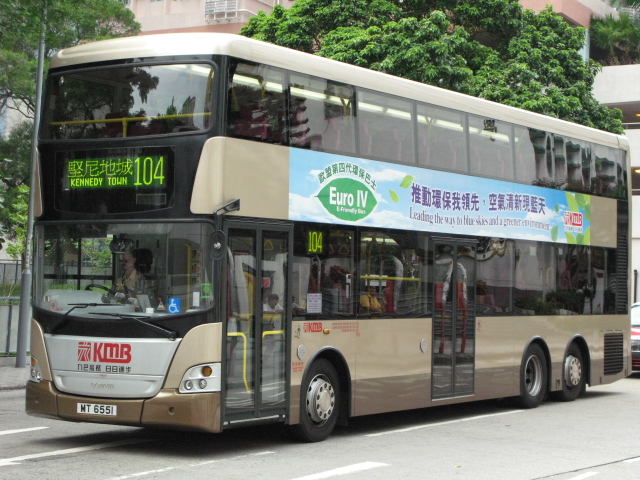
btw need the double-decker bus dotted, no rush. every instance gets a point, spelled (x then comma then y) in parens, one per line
(230, 232)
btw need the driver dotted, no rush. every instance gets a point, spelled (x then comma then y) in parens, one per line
(132, 282)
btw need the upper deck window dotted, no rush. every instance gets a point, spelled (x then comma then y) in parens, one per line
(128, 101)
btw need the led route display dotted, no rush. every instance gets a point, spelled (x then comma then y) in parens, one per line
(117, 172)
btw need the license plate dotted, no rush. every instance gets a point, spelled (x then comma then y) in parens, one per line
(96, 409)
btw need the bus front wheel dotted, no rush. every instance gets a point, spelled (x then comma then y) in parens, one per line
(574, 382)
(533, 377)
(319, 402)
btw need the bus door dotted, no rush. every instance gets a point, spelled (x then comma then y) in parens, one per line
(258, 319)
(453, 319)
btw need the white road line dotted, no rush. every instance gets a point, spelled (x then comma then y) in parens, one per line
(22, 430)
(583, 476)
(358, 467)
(16, 460)
(632, 460)
(140, 474)
(402, 430)
(167, 469)
(207, 462)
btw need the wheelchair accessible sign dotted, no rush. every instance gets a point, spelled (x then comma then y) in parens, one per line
(174, 305)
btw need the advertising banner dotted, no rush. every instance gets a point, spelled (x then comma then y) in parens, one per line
(332, 188)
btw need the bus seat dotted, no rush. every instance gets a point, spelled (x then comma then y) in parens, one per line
(252, 122)
(112, 129)
(144, 260)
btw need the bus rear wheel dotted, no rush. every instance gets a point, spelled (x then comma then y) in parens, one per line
(319, 402)
(533, 377)
(574, 382)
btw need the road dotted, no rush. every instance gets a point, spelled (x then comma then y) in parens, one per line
(596, 437)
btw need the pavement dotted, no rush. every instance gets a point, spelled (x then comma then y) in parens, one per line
(12, 378)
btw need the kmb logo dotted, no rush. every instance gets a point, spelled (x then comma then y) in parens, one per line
(313, 327)
(104, 352)
(572, 219)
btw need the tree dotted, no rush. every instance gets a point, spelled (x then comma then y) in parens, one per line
(488, 48)
(615, 40)
(543, 72)
(68, 23)
(18, 216)
(15, 155)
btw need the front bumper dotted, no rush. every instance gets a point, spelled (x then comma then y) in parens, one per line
(167, 409)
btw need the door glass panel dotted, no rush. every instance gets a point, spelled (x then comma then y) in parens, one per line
(241, 315)
(454, 320)
(274, 307)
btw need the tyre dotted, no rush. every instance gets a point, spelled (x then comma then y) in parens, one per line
(319, 402)
(533, 377)
(574, 382)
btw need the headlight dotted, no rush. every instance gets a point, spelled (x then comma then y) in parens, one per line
(201, 379)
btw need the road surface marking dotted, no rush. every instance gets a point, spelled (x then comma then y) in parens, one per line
(358, 467)
(408, 429)
(583, 476)
(22, 430)
(17, 460)
(167, 469)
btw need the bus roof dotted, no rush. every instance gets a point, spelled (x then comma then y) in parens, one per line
(206, 44)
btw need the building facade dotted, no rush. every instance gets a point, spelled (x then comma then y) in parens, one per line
(619, 87)
(229, 16)
(222, 16)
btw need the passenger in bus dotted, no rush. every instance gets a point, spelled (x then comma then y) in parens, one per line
(272, 305)
(266, 292)
(132, 281)
(369, 302)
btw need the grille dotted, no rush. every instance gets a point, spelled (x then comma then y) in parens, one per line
(613, 353)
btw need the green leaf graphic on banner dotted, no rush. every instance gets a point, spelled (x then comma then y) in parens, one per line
(394, 196)
(580, 239)
(571, 202)
(406, 182)
(587, 236)
(347, 199)
(554, 233)
(557, 208)
(582, 200)
(571, 239)
(587, 212)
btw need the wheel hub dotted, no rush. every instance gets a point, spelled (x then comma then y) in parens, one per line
(572, 371)
(533, 375)
(320, 400)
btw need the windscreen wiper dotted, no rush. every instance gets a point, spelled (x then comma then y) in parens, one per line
(170, 334)
(65, 318)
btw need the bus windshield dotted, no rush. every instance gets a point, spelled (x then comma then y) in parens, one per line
(149, 267)
(128, 101)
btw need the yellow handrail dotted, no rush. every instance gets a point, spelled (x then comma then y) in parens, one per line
(272, 332)
(126, 120)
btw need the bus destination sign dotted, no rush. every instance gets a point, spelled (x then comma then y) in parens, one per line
(146, 171)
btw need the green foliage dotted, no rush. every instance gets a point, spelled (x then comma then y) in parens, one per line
(615, 39)
(18, 218)
(68, 23)
(9, 290)
(488, 48)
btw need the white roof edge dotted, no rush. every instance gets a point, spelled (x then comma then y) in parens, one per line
(236, 45)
